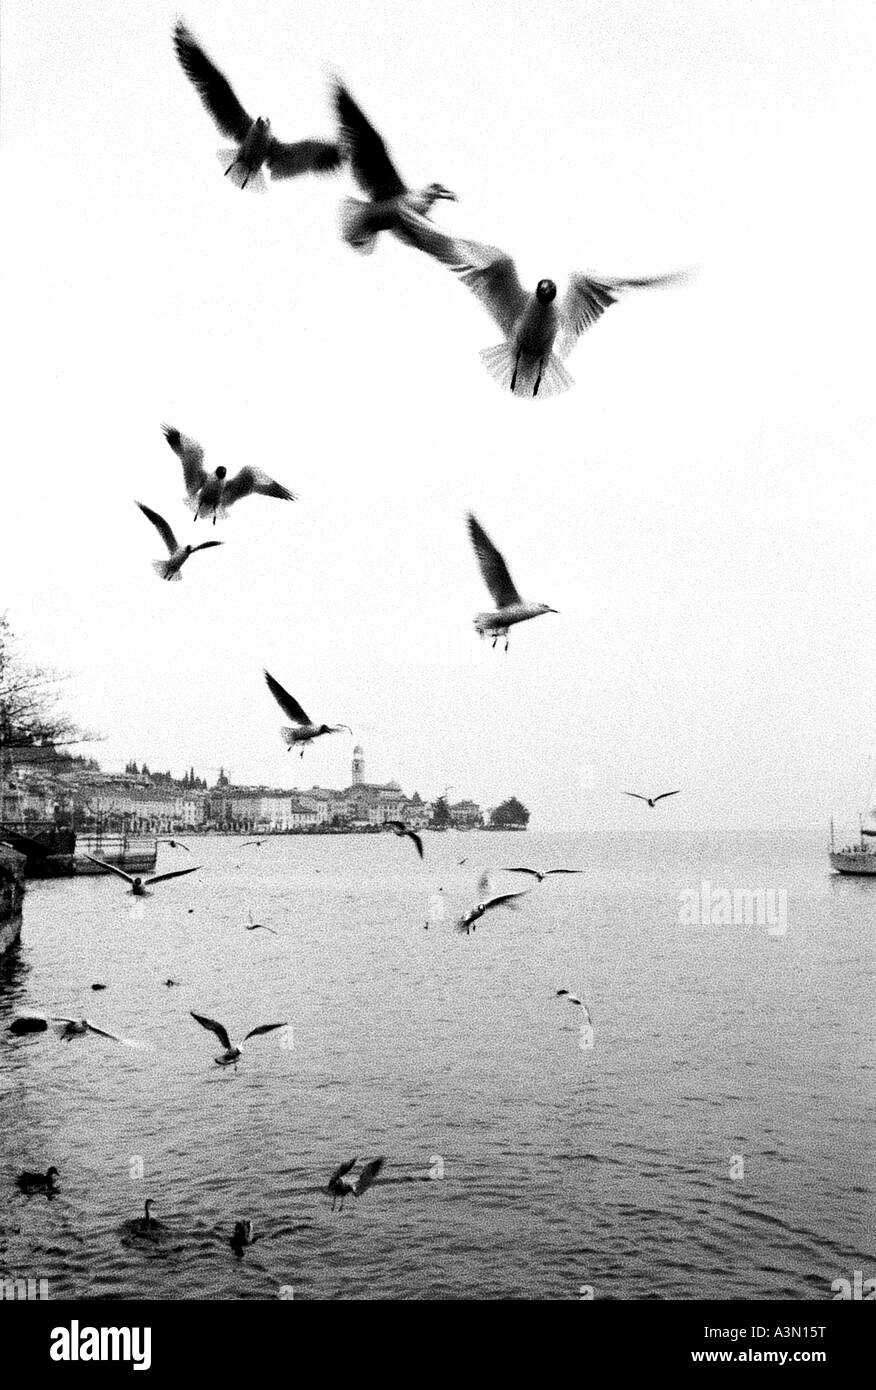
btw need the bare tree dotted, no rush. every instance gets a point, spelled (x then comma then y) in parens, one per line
(29, 709)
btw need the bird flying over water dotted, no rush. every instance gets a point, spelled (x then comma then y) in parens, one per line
(211, 494)
(170, 569)
(652, 800)
(139, 885)
(399, 828)
(67, 1028)
(574, 999)
(306, 731)
(255, 145)
(232, 1051)
(377, 176)
(541, 875)
(510, 607)
(538, 332)
(257, 926)
(338, 1186)
(178, 844)
(467, 923)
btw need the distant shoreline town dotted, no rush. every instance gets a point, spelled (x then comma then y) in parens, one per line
(40, 785)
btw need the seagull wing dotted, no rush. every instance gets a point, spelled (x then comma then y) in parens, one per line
(93, 1028)
(412, 835)
(206, 545)
(250, 480)
(175, 873)
(190, 455)
(664, 794)
(534, 872)
(288, 705)
(488, 272)
(302, 157)
(368, 1174)
(112, 868)
(341, 1170)
(264, 1028)
(562, 871)
(504, 898)
(493, 567)
(212, 87)
(589, 295)
(637, 795)
(214, 1027)
(369, 158)
(161, 527)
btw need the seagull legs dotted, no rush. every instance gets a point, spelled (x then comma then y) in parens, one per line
(537, 381)
(514, 377)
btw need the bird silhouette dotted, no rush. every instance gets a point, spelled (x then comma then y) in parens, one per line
(652, 800)
(211, 494)
(170, 569)
(339, 1187)
(306, 731)
(510, 607)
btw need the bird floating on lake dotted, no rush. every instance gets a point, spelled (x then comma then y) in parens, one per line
(242, 1236)
(541, 875)
(257, 926)
(38, 1182)
(377, 176)
(177, 844)
(467, 923)
(339, 1187)
(403, 831)
(510, 607)
(537, 331)
(307, 731)
(140, 885)
(145, 1225)
(211, 494)
(232, 1051)
(255, 145)
(652, 800)
(170, 569)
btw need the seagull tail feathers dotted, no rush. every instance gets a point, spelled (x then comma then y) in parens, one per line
(500, 362)
(239, 173)
(163, 569)
(355, 228)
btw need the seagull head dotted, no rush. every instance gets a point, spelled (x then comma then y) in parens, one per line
(263, 125)
(545, 608)
(220, 473)
(51, 1174)
(545, 291)
(437, 190)
(148, 1205)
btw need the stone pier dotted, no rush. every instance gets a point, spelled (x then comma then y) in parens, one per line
(11, 895)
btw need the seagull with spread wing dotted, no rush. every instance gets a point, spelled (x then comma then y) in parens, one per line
(177, 844)
(339, 1186)
(67, 1028)
(140, 885)
(652, 800)
(213, 493)
(306, 731)
(510, 607)
(170, 569)
(377, 176)
(256, 926)
(542, 874)
(254, 143)
(537, 331)
(403, 831)
(467, 923)
(233, 1051)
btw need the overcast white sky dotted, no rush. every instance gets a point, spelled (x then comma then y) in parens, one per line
(699, 507)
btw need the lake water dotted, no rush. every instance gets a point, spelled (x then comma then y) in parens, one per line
(714, 1141)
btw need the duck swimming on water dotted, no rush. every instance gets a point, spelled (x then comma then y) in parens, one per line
(38, 1182)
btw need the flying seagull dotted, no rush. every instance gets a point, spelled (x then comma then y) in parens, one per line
(573, 999)
(510, 607)
(254, 143)
(541, 875)
(257, 926)
(652, 800)
(307, 731)
(399, 828)
(377, 176)
(178, 844)
(211, 494)
(338, 1186)
(537, 332)
(170, 569)
(70, 1028)
(232, 1050)
(139, 885)
(467, 923)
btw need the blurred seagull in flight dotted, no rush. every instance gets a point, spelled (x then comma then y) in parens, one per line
(232, 1051)
(538, 332)
(652, 800)
(254, 143)
(70, 1028)
(510, 607)
(467, 923)
(213, 493)
(170, 569)
(338, 1186)
(399, 828)
(307, 731)
(377, 176)
(257, 926)
(140, 885)
(573, 999)
(541, 875)
(178, 844)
